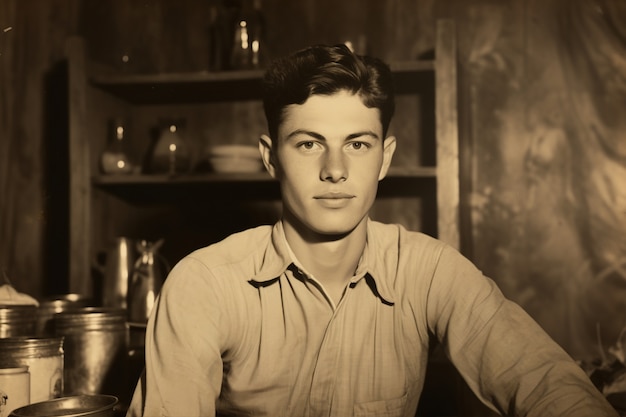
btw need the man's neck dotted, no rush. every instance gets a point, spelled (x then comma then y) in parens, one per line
(331, 259)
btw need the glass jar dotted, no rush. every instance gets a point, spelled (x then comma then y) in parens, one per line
(44, 357)
(14, 389)
(171, 155)
(249, 47)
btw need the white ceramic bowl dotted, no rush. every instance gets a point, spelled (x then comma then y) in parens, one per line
(235, 158)
(234, 151)
(234, 165)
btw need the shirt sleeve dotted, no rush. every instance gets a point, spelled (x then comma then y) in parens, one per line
(184, 340)
(505, 357)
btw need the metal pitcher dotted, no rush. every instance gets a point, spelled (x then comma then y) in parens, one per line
(149, 272)
(117, 271)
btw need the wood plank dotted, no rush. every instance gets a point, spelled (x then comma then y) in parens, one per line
(150, 189)
(447, 133)
(411, 77)
(79, 158)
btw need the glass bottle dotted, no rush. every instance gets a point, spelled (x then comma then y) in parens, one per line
(115, 158)
(249, 48)
(171, 154)
(219, 37)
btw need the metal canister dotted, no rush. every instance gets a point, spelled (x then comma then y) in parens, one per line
(44, 358)
(17, 320)
(14, 389)
(52, 305)
(96, 350)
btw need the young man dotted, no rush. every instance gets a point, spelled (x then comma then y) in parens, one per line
(328, 313)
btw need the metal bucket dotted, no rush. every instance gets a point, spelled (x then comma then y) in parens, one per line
(96, 350)
(44, 358)
(17, 320)
(75, 406)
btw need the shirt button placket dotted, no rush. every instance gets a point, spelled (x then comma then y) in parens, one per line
(326, 370)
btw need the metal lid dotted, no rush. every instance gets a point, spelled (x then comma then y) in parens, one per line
(90, 318)
(31, 347)
(17, 312)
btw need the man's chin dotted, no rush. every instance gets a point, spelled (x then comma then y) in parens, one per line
(331, 232)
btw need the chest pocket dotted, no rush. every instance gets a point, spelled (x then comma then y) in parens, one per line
(382, 408)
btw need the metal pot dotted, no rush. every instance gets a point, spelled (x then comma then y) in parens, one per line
(76, 406)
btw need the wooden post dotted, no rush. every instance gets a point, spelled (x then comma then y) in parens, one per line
(80, 171)
(447, 133)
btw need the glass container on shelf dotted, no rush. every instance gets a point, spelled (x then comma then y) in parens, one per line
(219, 33)
(249, 47)
(115, 157)
(171, 154)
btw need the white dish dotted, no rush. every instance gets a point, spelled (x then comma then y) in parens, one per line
(235, 165)
(234, 151)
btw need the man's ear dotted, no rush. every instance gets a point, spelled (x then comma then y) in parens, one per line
(267, 154)
(389, 147)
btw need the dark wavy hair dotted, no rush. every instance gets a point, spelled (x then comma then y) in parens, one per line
(326, 70)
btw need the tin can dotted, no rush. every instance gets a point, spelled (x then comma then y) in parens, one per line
(14, 389)
(96, 350)
(44, 358)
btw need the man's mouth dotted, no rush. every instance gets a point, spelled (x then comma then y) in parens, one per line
(333, 196)
(334, 200)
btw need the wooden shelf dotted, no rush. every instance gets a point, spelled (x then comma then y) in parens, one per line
(95, 94)
(202, 87)
(150, 189)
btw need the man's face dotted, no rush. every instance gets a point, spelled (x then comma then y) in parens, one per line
(329, 158)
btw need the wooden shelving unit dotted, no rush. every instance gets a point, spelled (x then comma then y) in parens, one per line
(95, 94)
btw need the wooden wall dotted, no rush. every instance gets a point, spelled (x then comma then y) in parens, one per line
(33, 149)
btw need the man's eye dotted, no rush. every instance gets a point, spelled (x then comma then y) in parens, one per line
(307, 145)
(358, 145)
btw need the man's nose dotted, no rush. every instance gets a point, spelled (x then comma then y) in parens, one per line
(334, 167)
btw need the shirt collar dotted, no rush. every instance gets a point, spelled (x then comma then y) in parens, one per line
(278, 258)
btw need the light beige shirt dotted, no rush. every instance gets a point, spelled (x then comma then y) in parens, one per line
(240, 329)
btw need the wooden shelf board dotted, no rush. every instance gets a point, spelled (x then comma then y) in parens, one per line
(148, 189)
(204, 86)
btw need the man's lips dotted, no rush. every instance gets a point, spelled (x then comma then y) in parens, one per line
(334, 200)
(333, 196)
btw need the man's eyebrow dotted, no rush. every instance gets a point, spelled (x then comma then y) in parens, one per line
(364, 133)
(307, 133)
(316, 135)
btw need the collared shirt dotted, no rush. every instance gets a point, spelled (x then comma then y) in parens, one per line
(240, 329)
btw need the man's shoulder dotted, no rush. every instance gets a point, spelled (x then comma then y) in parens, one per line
(396, 235)
(235, 247)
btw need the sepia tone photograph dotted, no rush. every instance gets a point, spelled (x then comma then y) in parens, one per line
(386, 208)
